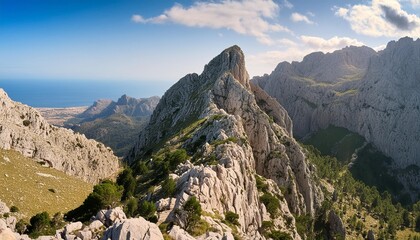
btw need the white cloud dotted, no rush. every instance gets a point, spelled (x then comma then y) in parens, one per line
(297, 17)
(327, 45)
(247, 17)
(288, 5)
(265, 62)
(137, 19)
(380, 47)
(381, 18)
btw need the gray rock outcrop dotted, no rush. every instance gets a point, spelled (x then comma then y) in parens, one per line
(337, 229)
(133, 228)
(246, 132)
(23, 129)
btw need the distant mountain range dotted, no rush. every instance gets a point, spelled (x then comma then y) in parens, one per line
(116, 124)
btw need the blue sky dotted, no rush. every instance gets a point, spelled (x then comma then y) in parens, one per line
(149, 40)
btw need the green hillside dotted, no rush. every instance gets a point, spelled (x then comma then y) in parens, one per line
(34, 188)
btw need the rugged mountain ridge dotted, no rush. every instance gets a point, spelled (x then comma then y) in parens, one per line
(129, 106)
(217, 115)
(378, 100)
(116, 124)
(23, 129)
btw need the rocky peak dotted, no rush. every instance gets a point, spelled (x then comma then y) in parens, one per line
(220, 115)
(23, 129)
(231, 61)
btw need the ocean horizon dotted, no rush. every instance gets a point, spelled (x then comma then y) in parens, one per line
(76, 93)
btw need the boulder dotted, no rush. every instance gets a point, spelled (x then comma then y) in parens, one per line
(3, 208)
(133, 228)
(114, 215)
(96, 225)
(178, 233)
(84, 235)
(72, 227)
(336, 226)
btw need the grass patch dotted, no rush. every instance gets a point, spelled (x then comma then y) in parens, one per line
(27, 185)
(336, 141)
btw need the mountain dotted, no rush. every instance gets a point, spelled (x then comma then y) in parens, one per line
(126, 105)
(23, 129)
(238, 139)
(375, 94)
(116, 124)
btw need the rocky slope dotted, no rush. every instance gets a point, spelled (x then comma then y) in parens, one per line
(375, 94)
(236, 132)
(23, 129)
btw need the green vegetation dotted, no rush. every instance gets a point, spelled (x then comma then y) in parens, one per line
(26, 123)
(190, 213)
(371, 166)
(126, 179)
(131, 207)
(277, 235)
(359, 205)
(104, 194)
(336, 141)
(28, 185)
(148, 211)
(41, 224)
(168, 187)
(271, 203)
(232, 218)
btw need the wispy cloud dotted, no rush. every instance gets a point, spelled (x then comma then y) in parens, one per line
(248, 17)
(381, 18)
(288, 5)
(297, 17)
(295, 51)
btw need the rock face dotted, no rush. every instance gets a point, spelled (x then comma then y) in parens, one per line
(336, 226)
(133, 228)
(246, 132)
(23, 129)
(374, 94)
(126, 105)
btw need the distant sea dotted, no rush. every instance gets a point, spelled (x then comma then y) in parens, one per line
(60, 93)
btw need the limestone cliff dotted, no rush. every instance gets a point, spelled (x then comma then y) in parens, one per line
(23, 129)
(373, 94)
(235, 132)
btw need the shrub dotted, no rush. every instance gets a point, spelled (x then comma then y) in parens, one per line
(271, 203)
(277, 235)
(21, 226)
(39, 222)
(104, 195)
(190, 213)
(141, 168)
(26, 123)
(14, 209)
(131, 207)
(126, 179)
(168, 187)
(147, 210)
(176, 157)
(232, 217)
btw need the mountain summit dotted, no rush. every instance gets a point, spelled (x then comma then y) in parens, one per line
(235, 136)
